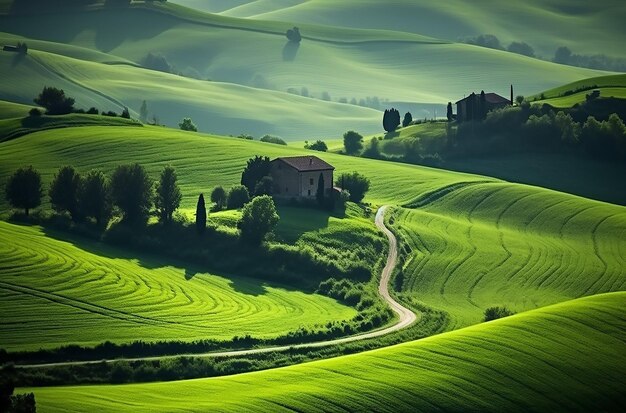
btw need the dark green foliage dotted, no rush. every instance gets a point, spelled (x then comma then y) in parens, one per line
(318, 145)
(294, 35)
(493, 313)
(605, 139)
(372, 150)
(273, 139)
(64, 190)
(156, 61)
(95, 198)
(592, 96)
(408, 118)
(256, 168)
(219, 197)
(55, 101)
(34, 112)
(519, 100)
(485, 40)
(258, 218)
(125, 113)
(201, 215)
(23, 189)
(521, 48)
(391, 119)
(10, 403)
(562, 55)
(132, 192)
(352, 142)
(188, 125)
(238, 196)
(264, 187)
(320, 192)
(449, 113)
(92, 111)
(355, 183)
(168, 195)
(22, 48)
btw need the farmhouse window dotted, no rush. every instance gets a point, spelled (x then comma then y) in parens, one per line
(311, 182)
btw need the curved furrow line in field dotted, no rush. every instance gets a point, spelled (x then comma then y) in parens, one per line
(596, 250)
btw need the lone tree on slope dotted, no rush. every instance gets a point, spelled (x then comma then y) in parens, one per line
(294, 35)
(55, 101)
(23, 189)
(64, 191)
(320, 195)
(391, 119)
(408, 118)
(200, 215)
(188, 125)
(256, 169)
(352, 142)
(219, 197)
(449, 113)
(168, 195)
(258, 218)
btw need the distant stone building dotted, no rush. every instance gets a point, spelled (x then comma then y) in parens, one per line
(476, 107)
(298, 176)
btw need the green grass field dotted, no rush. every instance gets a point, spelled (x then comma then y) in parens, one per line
(567, 357)
(396, 66)
(470, 246)
(91, 293)
(597, 25)
(609, 86)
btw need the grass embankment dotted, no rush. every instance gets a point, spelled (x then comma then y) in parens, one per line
(471, 246)
(574, 93)
(10, 110)
(91, 293)
(569, 356)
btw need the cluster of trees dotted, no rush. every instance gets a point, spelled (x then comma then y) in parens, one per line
(391, 119)
(57, 103)
(188, 125)
(493, 313)
(273, 139)
(15, 403)
(318, 145)
(293, 35)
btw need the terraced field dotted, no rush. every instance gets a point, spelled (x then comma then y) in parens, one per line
(567, 357)
(608, 86)
(55, 292)
(470, 246)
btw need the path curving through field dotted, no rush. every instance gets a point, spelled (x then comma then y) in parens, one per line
(406, 317)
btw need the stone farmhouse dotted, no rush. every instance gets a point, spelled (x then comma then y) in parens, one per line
(298, 176)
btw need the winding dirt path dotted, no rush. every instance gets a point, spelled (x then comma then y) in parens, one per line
(406, 317)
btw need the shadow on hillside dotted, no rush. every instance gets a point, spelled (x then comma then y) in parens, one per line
(296, 221)
(290, 51)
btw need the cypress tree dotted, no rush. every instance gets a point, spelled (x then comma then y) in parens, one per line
(201, 215)
(449, 114)
(319, 195)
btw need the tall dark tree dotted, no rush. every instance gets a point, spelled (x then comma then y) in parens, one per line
(23, 189)
(168, 195)
(391, 119)
(125, 113)
(95, 198)
(55, 101)
(449, 113)
(482, 105)
(256, 168)
(132, 192)
(201, 215)
(320, 193)
(64, 191)
(408, 118)
(352, 142)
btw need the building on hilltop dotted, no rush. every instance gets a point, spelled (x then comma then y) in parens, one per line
(298, 176)
(476, 107)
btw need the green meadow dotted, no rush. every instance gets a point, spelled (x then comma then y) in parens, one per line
(569, 356)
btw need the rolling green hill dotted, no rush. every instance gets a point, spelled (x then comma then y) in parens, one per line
(91, 293)
(567, 357)
(329, 63)
(546, 25)
(470, 246)
(570, 94)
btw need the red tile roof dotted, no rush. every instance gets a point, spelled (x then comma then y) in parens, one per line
(306, 163)
(490, 98)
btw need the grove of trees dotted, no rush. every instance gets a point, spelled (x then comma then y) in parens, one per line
(352, 142)
(55, 101)
(355, 183)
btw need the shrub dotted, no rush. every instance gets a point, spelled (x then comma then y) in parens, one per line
(34, 112)
(188, 125)
(132, 192)
(200, 215)
(64, 191)
(318, 145)
(273, 139)
(23, 189)
(521, 48)
(293, 35)
(238, 196)
(125, 113)
(92, 111)
(408, 118)
(355, 183)
(493, 313)
(352, 142)
(55, 101)
(258, 218)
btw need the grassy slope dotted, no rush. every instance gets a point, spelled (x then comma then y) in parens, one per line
(10, 110)
(472, 246)
(609, 86)
(398, 66)
(91, 293)
(546, 25)
(568, 357)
